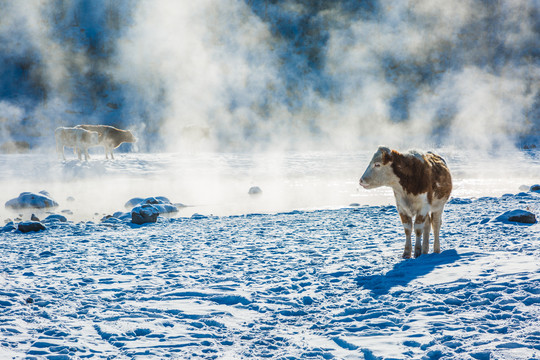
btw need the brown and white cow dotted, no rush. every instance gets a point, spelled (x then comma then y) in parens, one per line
(422, 184)
(79, 139)
(110, 137)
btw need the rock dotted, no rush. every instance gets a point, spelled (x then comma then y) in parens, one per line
(8, 227)
(255, 190)
(70, 198)
(161, 203)
(535, 188)
(29, 226)
(106, 217)
(517, 216)
(55, 217)
(144, 214)
(34, 218)
(29, 300)
(28, 200)
(133, 202)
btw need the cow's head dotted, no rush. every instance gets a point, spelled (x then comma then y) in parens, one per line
(379, 171)
(129, 137)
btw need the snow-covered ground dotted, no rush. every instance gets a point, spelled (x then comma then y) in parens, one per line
(294, 272)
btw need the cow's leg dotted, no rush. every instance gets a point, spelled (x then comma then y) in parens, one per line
(419, 225)
(86, 156)
(79, 153)
(63, 153)
(436, 223)
(425, 237)
(406, 220)
(112, 156)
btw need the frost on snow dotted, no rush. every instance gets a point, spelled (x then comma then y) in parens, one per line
(303, 284)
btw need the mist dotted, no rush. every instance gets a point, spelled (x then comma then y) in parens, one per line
(264, 86)
(243, 75)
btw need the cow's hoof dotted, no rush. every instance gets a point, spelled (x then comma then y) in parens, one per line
(406, 255)
(417, 253)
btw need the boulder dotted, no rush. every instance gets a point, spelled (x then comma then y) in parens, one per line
(535, 188)
(144, 214)
(27, 200)
(161, 203)
(30, 226)
(255, 190)
(55, 218)
(517, 216)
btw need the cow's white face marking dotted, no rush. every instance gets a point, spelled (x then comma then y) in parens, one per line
(379, 173)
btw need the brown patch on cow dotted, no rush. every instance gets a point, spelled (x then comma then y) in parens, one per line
(429, 176)
(412, 173)
(405, 219)
(441, 178)
(419, 219)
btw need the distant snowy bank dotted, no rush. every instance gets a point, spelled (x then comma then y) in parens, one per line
(302, 284)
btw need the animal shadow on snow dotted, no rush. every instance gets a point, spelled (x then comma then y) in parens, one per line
(406, 271)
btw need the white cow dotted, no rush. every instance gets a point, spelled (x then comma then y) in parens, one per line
(110, 137)
(422, 184)
(78, 139)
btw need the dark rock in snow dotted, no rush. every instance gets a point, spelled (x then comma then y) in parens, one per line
(255, 190)
(29, 226)
(517, 216)
(28, 200)
(34, 218)
(144, 214)
(535, 188)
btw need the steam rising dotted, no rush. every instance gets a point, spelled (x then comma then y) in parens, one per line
(244, 75)
(256, 81)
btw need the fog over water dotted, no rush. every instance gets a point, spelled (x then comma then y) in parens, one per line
(292, 96)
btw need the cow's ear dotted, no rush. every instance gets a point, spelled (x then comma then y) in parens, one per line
(386, 154)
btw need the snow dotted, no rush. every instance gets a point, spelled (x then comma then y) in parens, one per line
(320, 281)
